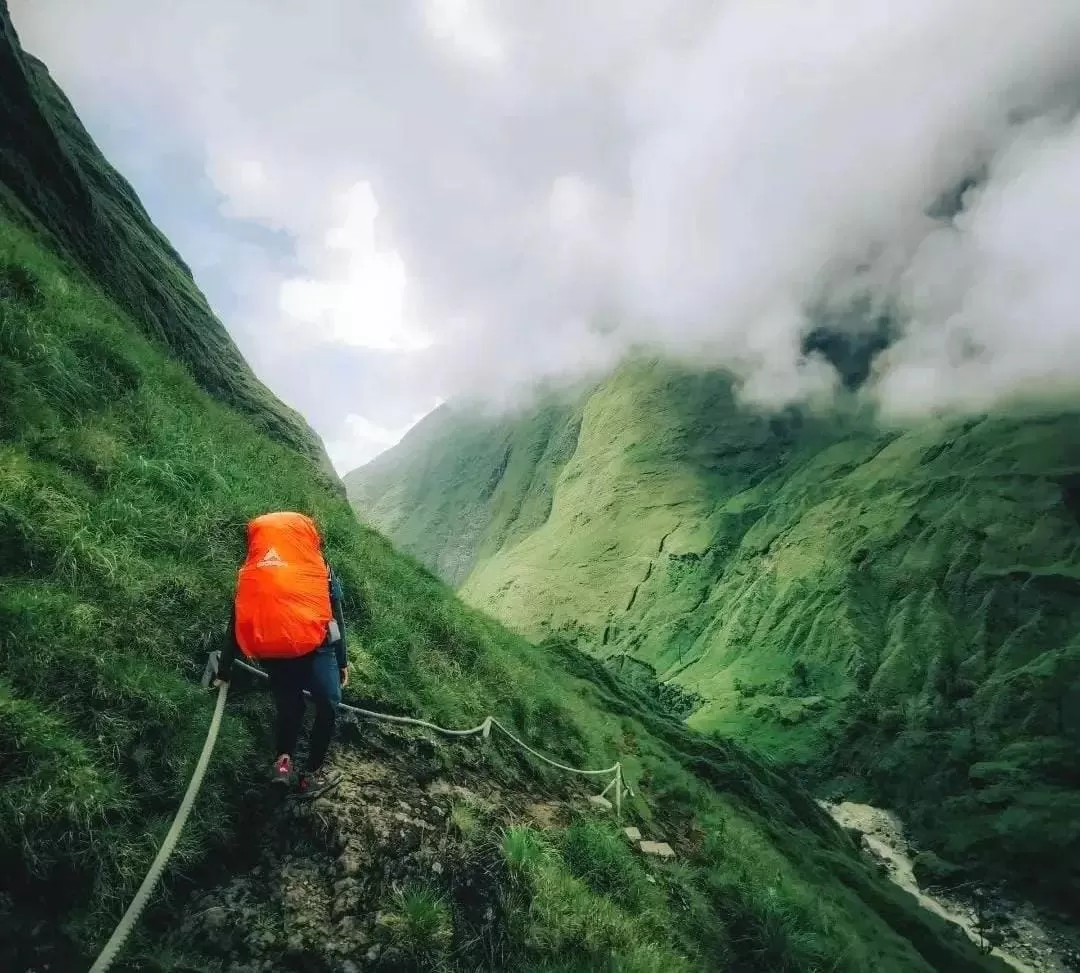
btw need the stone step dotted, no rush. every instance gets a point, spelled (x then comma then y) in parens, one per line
(661, 849)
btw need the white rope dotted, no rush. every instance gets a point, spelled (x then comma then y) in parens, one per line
(482, 728)
(138, 903)
(127, 922)
(554, 763)
(409, 719)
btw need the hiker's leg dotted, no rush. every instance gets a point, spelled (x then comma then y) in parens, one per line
(286, 682)
(325, 686)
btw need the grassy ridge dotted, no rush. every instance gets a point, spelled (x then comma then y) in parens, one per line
(893, 610)
(480, 484)
(53, 177)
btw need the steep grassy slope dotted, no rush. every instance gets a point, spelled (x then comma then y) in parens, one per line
(468, 484)
(124, 488)
(123, 493)
(52, 176)
(895, 610)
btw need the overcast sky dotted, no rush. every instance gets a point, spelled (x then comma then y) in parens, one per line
(391, 203)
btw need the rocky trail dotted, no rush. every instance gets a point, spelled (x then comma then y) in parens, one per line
(1027, 943)
(319, 896)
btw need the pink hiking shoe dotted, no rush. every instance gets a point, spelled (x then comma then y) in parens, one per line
(282, 772)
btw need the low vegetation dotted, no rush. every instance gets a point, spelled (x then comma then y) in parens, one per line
(419, 924)
(892, 612)
(126, 478)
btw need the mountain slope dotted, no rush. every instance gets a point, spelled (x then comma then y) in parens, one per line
(126, 477)
(896, 611)
(468, 484)
(53, 177)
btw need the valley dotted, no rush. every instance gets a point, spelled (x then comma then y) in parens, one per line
(135, 446)
(891, 612)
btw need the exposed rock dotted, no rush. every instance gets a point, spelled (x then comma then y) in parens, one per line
(632, 833)
(349, 863)
(600, 802)
(661, 849)
(323, 889)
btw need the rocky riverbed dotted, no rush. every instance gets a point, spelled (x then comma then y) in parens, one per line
(1027, 943)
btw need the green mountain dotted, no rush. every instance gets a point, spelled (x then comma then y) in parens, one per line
(134, 446)
(893, 612)
(53, 178)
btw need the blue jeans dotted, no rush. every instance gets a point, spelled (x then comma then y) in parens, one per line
(317, 672)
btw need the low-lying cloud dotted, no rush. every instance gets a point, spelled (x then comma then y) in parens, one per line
(482, 195)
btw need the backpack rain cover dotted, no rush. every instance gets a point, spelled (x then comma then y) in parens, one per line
(283, 590)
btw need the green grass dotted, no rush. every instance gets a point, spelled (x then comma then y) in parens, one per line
(583, 899)
(420, 926)
(500, 484)
(127, 474)
(124, 490)
(885, 609)
(522, 849)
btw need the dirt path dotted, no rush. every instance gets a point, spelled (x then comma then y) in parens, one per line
(1028, 947)
(318, 893)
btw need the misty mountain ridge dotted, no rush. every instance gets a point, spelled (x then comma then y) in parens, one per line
(891, 609)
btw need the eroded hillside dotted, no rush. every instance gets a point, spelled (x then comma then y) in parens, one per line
(895, 610)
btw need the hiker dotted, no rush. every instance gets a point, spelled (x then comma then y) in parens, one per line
(287, 617)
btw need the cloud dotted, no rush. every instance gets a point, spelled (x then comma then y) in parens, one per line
(782, 151)
(364, 439)
(481, 195)
(355, 291)
(465, 27)
(995, 316)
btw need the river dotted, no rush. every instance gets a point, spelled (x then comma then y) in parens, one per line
(1028, 946)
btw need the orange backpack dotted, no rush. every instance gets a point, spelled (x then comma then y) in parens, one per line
(283, 589)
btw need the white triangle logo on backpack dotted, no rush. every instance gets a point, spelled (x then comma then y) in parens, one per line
(271, 559)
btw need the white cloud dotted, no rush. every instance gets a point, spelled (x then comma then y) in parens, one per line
(466, 28)
(354, 289)
(563, 184)
(993, 298)
(363, 439)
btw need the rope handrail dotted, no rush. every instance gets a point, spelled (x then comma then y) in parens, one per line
(108, 954)
(484, 727)
(554, 763)
(127, 922)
